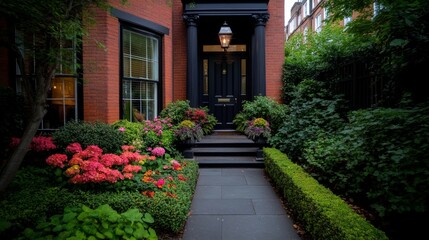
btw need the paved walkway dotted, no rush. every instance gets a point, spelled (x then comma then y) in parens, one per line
(237, 204)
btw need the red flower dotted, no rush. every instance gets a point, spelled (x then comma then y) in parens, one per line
(57, 160)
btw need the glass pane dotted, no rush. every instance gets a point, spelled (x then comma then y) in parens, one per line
(126, 66)
(143, 90)
(205, 76)
(138, 45)
(126, 91)
(138, 68)
(138, 113)
(54, 117)
(67, 61)
(150, 91)
(243, 76)
(135, 89)
(150, 109)
(126, 42)
(69, 87)
(126, 107)
(56, 88)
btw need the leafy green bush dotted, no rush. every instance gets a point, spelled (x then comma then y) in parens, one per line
(31, 197)
(100, 223)
(261, 107)
(89, 133)
(133, 131)
(312, 112)
(176, 111)
(380, 158)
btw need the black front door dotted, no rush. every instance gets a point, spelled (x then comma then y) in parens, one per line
(224, 87)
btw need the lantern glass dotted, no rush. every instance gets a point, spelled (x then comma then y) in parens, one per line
(225, 35)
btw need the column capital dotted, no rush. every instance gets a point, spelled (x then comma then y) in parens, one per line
(261, 19)
(191, 19)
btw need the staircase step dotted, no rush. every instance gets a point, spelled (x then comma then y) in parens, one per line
(237, 161)
(224, 151)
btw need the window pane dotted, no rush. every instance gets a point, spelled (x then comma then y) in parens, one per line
(135, 89)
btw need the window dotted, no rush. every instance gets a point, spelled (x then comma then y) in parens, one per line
(325, 11)
(377, 8)
(313, 4)
(347, 20)
(305, 34)
(61, 100)
(140, 75)
(293, 24)
(306, 8)
(318, 23)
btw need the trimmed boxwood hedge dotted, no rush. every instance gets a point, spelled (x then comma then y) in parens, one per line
(324, 215)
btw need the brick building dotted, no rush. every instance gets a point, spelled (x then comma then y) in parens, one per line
(157, 52)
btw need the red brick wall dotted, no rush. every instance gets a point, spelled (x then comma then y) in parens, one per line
(179, 52)
(101, 65)
(274, 55)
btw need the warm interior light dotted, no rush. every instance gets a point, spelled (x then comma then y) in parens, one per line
(225, 35)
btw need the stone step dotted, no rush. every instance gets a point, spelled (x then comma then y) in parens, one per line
(228, 161)
(224, 151)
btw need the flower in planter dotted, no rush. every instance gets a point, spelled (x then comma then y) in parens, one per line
(258, 127)
(188, 130)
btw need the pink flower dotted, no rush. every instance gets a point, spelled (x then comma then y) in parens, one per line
(14, 142)
(74, 148)
(127, 148)
(121, 129)
(176, 165)
(131, 169)
(41, 143)
(160, 183)
(158, 151)
(57, 160)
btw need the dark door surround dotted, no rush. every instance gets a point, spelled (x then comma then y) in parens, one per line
(257, 11)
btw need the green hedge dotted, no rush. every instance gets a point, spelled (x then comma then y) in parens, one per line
(324, 215)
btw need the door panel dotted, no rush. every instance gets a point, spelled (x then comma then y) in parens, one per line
(224, 88)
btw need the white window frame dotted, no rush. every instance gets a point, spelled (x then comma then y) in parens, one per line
(148, 83)
(318, 23)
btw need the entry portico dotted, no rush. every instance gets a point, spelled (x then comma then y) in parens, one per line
(218, 79)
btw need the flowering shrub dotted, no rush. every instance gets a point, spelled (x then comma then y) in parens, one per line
(38, 143)
(201, 117)
(146, 173)
(258, 127)
(188, 130)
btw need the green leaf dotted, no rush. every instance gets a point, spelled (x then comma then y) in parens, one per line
(140, 233)
(57, 228)
(119, 231)
(105, 225)
(129, 230)
(148, 218)
(108, 234)
(99, 235)
(152, 234)
(132, 215)
(69, 217)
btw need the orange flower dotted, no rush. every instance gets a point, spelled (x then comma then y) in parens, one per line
(149, 194)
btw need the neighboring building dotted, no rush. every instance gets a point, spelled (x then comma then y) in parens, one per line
(157, 52)
(310, 15)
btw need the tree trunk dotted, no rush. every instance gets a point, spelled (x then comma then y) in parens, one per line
(9, 171)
